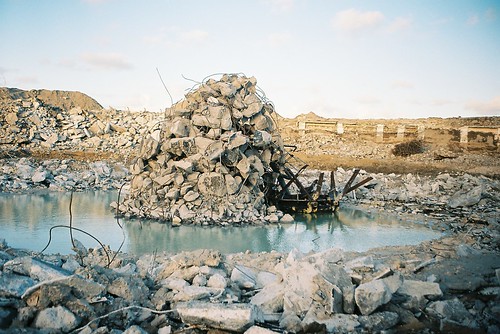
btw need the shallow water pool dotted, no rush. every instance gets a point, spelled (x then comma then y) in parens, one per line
(26, 219)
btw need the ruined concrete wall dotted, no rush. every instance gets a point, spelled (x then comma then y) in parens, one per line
(211, 160)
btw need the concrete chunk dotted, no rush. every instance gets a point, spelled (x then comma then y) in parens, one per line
(231, 317)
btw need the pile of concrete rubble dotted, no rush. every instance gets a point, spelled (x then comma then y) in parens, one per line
(68, 121)
(211, 160)
(331, 291)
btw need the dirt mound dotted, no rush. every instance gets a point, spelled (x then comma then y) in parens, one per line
(55, 98)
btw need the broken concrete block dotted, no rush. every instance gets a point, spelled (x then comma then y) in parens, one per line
(217, 281)
(130, 288)
(261, 138)
(35, 268)
(418, 292)
(181, 127)
(465, 198)
(210, 184)
(270, 298)
(333, 323)
(378, 322)
(12, 285)
(57, 318)
(192, 292)
(244, 277)
(369, 296)
(231, 317)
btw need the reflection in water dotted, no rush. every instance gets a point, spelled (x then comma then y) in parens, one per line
(25, 221)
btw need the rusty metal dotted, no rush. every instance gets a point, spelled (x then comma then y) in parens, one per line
(306, 199)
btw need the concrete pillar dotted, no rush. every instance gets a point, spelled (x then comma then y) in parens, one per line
(401, 132)
(302, 128)
(340, 128)
(421, 131)
(464, 134)
(380, 132)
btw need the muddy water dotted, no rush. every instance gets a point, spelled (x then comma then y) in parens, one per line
(26, 221)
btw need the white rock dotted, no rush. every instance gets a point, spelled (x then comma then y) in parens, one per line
(217, 281)
(287, 219)
(231, 317)
(57, 318)
(39, 176)
(369, 296)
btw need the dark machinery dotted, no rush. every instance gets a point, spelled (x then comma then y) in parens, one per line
(288, 193)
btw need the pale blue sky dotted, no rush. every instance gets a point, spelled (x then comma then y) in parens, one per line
(338, 58)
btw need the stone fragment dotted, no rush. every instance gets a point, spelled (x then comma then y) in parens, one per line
(270, 298)
(180, 128)
(452, 315)
(369, 296)
(57, 318)
(244, 277)
(11, 118)
(12, 285)
(261, 138)
(192, 292)
(173, 283)
(39, 176)
(287, 219)
(135, 329)
(210, 184)
(230, 317)
(418, 292)
(466, 198)
(35, 268)
(130, 288)
(378, 322)
(317, 317)
(217, 281)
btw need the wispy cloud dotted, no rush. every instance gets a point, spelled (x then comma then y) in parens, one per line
(279, 39)
(491, 107)
(402, 84)
(114, 61)
(353, 21)
(400, 24)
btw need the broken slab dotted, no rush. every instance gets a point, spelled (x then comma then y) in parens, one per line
(57, 318)
(369, 296)
(418, 292)
(35, 268)
(13, 285)
(231, 317)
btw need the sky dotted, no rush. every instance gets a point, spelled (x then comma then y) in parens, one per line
(336, 58)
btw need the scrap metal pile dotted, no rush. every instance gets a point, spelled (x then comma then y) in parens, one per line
(218, 158)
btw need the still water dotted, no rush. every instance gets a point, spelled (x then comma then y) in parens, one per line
(25, 221)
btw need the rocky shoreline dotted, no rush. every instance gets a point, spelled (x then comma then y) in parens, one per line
(444, 285)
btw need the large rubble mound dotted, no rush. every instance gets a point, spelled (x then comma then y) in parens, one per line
(212, 160)
(62, 120)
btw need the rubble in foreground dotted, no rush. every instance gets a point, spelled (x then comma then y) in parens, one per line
(400, 289)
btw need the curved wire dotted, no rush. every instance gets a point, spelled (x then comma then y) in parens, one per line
(118, 222)
(79, 230)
